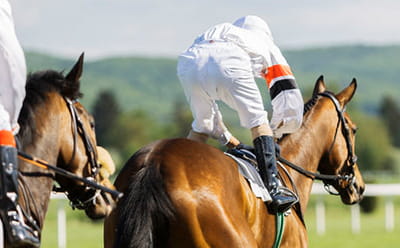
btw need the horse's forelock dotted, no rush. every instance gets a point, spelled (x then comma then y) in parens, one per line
(38, 86)
(43, 82)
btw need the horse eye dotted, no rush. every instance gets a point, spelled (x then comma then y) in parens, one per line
(92, 125)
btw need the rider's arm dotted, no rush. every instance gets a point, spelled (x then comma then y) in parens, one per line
(286, 99)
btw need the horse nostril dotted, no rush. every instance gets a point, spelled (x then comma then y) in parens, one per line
(359, 190)
(362, 190)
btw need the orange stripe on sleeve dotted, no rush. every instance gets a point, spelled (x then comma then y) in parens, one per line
(277, 71)
(7, 138)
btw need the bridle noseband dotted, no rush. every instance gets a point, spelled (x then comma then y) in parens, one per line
(88, 196)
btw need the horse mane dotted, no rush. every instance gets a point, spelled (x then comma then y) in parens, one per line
(38, 86)
(310, 103)
(307, 107)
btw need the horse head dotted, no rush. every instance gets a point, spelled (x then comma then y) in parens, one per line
(78, 152)
(339, 157)
(83, 157)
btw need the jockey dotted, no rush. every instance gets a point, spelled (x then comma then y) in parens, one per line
(222, 64)
(12, 93)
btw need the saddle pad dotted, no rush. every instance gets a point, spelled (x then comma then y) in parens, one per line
(249, 172)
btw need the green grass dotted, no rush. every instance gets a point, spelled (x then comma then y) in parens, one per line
(338, 231)
(82, 232)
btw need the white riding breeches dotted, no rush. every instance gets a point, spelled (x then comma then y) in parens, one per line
(220, 71)
(12, 70)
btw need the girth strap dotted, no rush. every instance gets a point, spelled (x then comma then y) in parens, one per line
(280, 228)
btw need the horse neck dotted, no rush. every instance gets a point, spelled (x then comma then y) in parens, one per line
(306, 148)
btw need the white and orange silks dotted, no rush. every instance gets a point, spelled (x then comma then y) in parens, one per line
(221, 65)
(12, 70)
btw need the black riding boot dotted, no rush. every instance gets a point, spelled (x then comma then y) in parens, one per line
(282, 198)
(19, 234)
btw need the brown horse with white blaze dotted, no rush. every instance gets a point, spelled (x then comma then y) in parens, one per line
(180, 193)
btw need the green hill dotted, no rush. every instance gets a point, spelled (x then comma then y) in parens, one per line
(375, 68)
(147, 83)
(151, 83)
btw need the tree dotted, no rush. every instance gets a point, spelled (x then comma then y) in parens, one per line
(182, 119)
(372, 142)
(106, 111)
(390, 112)
(136, 129)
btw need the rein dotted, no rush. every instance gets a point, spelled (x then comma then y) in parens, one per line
(43, 164)
(310, 174)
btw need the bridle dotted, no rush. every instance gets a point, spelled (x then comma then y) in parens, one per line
(82, 199)
(351, 157)
(83, 196)
(349, 176)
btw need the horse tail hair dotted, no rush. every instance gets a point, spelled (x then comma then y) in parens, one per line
(144, 211)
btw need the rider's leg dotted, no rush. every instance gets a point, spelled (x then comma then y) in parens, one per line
(19, 234)
(12, 80)
(196, 136)
(202, 137)
(282, 198)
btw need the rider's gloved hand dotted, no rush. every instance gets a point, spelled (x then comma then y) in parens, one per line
(245, 147)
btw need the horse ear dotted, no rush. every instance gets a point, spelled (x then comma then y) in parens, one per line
(345, 95)
(76, 72)
(319, 86)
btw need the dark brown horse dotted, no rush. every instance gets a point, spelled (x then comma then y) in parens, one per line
(55, 127)
(181, 193)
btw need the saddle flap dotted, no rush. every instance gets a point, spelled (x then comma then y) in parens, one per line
(249, 172)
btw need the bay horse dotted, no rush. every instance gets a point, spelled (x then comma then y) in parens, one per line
(180, 193)
(54, 126)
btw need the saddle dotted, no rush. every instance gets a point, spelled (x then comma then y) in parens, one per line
(247, 164)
